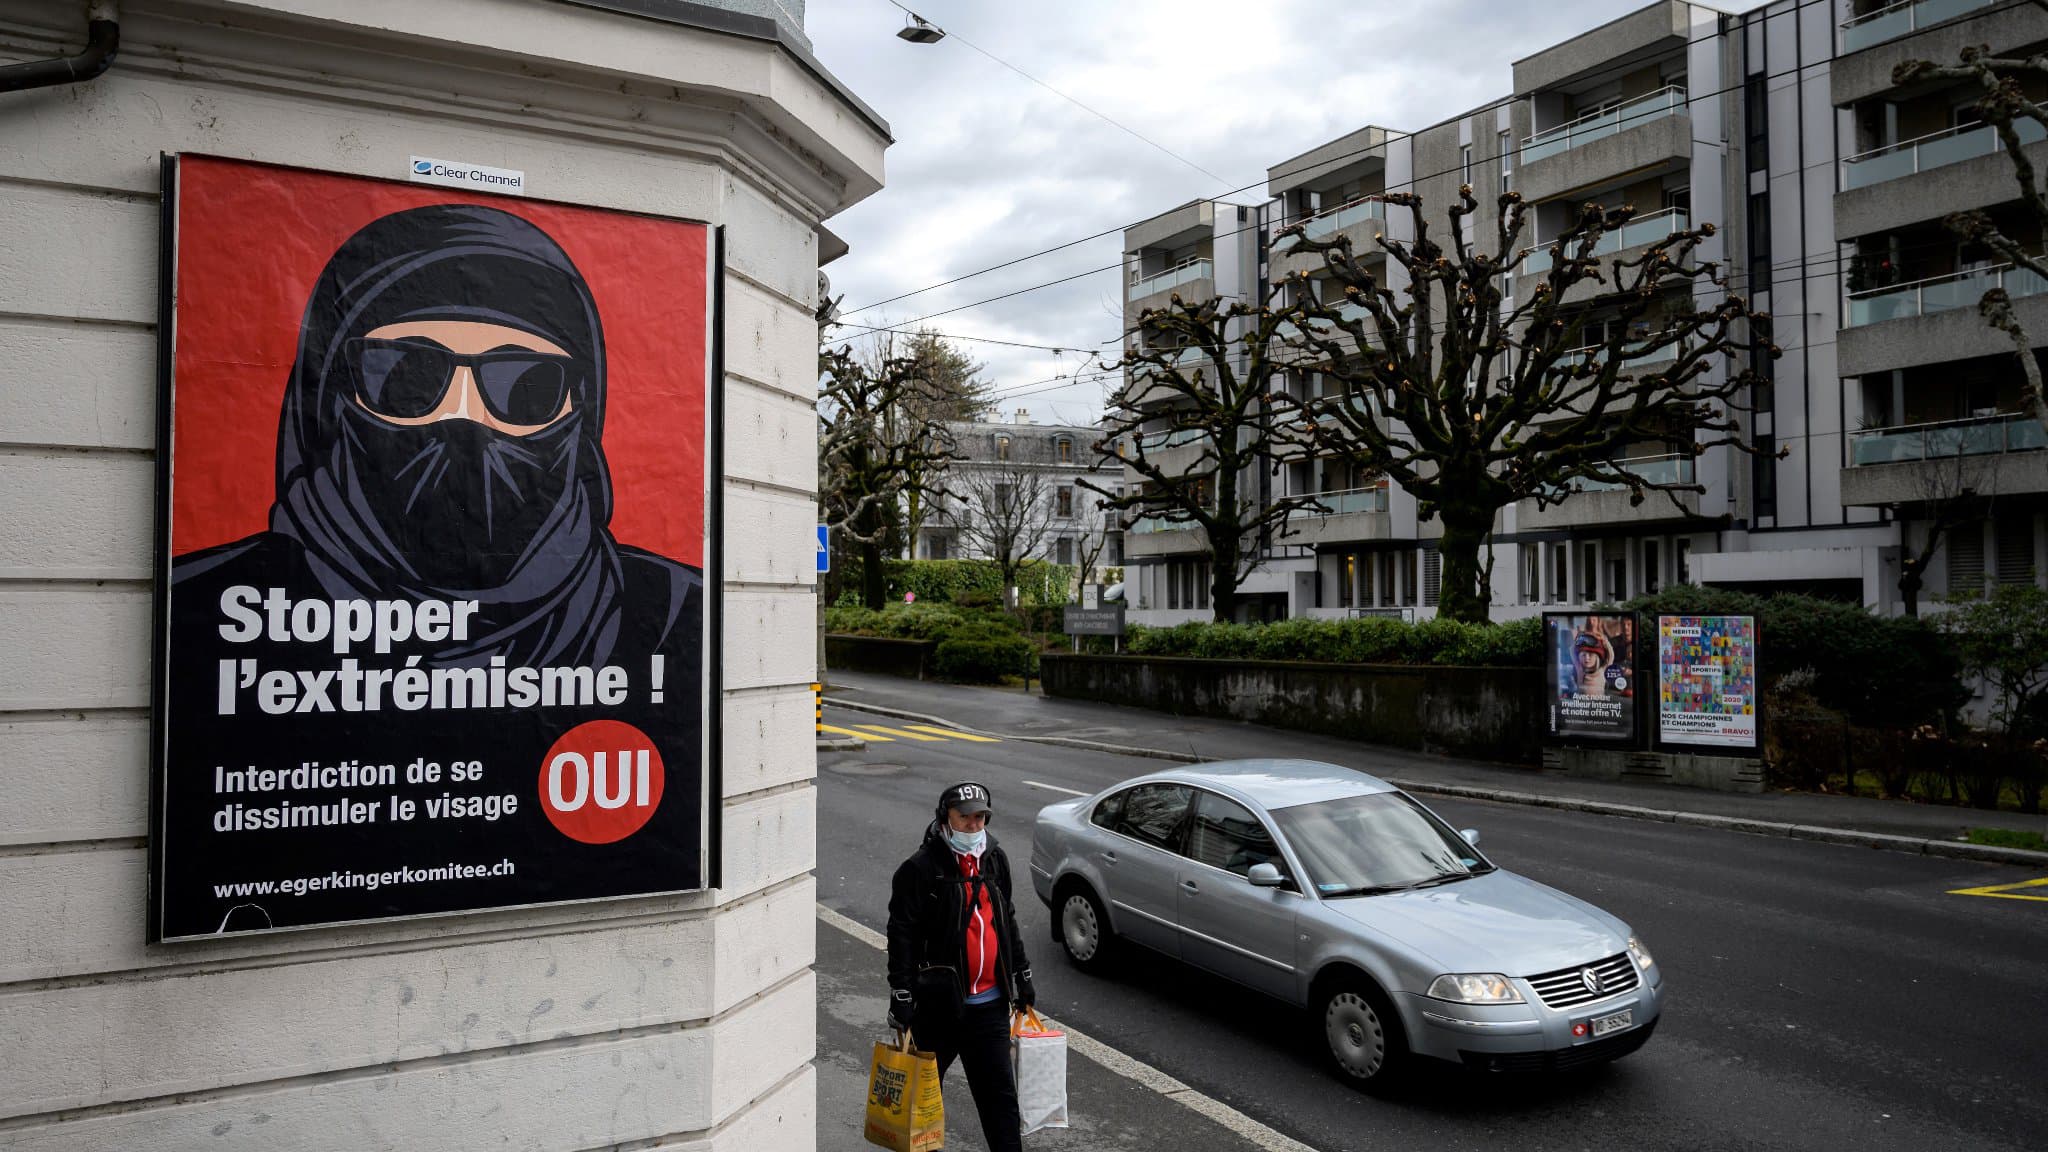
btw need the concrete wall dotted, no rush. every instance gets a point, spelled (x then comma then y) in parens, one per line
(682, 1022)
(1662, 143)
(1495, 713)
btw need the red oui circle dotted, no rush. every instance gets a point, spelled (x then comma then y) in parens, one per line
(601, 782)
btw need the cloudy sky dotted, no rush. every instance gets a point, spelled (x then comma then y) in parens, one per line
(988, 166)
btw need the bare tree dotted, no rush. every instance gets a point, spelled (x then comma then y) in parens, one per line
(1472, 402)
(873, 452)
(1950, 491)
(1182, 373)
(1007, 515)
(2003, 105)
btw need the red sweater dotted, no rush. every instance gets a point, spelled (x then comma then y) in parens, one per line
(980, 976)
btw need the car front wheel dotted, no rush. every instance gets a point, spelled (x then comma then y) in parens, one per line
(1084, 930)
(1361, 1035)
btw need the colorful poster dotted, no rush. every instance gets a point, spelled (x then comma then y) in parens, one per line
(1706, 681)
(1590, 673)
(436, 507)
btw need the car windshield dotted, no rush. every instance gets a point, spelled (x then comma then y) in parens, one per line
(1362, 845)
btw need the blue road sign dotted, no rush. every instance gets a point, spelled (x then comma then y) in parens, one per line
(824, 549)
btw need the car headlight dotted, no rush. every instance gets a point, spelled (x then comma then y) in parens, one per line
(1641, 954)
(1475, 988)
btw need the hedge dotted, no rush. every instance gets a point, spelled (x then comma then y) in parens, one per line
(975, 583)
(1371, 640)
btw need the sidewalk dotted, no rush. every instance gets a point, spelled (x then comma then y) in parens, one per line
(1127, 1109)
(1018, 715)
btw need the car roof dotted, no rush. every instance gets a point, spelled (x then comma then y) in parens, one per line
(1278, 783)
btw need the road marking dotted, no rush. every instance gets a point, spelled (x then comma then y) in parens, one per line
(1128, 1067)
(855, 735)
(1054, 787)
(949, 733)
(898, 732)
(2004, 891)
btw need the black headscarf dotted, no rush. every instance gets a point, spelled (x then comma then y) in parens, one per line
(453, 510)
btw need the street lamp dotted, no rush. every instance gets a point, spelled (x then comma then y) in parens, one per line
(920, 31)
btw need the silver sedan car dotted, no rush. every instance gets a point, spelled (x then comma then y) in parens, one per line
(1336, 891)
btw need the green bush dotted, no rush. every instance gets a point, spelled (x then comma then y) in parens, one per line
(1879, 671)
(977, 583)
(1369, 640)
(919, 621)
(983, 654)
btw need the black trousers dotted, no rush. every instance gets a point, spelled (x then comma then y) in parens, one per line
(980, 1038)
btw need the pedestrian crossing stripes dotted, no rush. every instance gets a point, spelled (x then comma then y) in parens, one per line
(919, 733)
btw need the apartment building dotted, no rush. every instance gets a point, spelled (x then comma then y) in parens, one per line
(1031, 473)
(1827, 186)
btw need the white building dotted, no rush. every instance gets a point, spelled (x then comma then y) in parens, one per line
(671, 1021)
(1060, 457)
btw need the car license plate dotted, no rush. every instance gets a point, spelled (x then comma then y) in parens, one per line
(1613, 1022)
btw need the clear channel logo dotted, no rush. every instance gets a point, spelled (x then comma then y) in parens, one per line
(477, 177)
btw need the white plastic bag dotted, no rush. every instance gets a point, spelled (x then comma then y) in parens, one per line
(1040, 1056)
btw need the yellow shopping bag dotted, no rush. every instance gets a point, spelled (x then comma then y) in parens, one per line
(906, 1111)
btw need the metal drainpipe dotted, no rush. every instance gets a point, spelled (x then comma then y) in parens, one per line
(102, 38)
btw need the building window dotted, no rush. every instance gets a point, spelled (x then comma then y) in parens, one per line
(1684, 561)
(1759, 242)
(1507, 164)
(1201, 589)
(1173, 586)
(1432, 576)
(1347, 578)
(1365, 582)
(1064, 448)
(1652, 550)
(1116, 549)
(1408, 580)
(1560, 571)
(1756, 118)
(1002, 447)
(1386, 578)
(1063, 551)
(1966, 560)
(2016, 549)
(1617, 579)
(1532, 568)
(1063, 500)
(1764, 388)
(1465, 155)
(1765, 476)
(1589, 568)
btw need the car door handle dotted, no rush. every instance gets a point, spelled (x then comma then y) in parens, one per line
(1190, 886)
(1109, 857)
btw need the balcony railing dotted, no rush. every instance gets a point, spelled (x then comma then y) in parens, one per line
(1146, 524)
(1641, 230)
(1980, 436)
(1586, 129)
(1893, 21)
(1369, 499)
(1588, 352)
(1675, 468)
(1950, 146)
(1940, 294)
(1171, 438)
(1186, 272)
(1329, 220)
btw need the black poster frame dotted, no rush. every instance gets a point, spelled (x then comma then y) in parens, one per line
(1638, 739)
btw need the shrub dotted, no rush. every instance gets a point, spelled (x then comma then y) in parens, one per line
(1369, 640)
(977, 583)
(983, 654)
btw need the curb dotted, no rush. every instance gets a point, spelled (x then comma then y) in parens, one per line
(843, 744)
(1921, 846)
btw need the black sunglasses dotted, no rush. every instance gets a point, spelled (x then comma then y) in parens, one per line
(406, 379)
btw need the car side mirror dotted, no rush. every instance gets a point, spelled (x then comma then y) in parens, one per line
(1471, 836)
(1265, 876)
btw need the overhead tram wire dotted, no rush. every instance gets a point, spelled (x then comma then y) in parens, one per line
(1391, 138)
(1125, 128)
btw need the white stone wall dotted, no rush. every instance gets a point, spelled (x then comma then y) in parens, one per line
(681, 1022)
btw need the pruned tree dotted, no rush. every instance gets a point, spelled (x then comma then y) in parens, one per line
(1472, 401)
(2004, 106)
(873, 452)
(1008, 515)
(950, 389)
(1183, 375)
(1949, 491)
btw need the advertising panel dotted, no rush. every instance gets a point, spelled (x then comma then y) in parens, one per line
(1706, 681)
(436, 505)
(1590, 671)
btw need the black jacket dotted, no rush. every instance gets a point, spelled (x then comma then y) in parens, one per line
(927, 918)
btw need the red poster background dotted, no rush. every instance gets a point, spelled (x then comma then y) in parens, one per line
(252, 240)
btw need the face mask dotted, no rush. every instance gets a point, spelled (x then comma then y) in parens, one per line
(967, 843)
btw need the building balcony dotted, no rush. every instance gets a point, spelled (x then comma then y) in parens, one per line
(1637, 365)
(1176, 451)
(1158, 536)
(1348, 312)
(1346, 516)
(1896, 20)
(1891, 188)
(1360, 220)
(1192, 279)
(1939, 294)
(1995, 455)
(1146, 386)
(1602, 503)
(1652, 32)
(1933, 321)
(1627, 242)
(1877, 42)
(1647, 134)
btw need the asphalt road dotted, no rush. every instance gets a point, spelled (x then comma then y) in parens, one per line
(1820, 996)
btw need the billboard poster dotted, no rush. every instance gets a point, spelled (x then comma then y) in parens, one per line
(435, 508)
(1590, 671)
(1706, 681)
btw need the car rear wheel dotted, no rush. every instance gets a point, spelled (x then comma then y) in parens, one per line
(1362, 1036)
(1084, 930)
